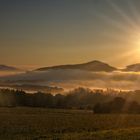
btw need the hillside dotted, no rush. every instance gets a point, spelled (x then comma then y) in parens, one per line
(7, 68)
(90, 66)
(133, 67)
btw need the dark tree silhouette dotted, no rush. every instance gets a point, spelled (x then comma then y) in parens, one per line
(80, 98)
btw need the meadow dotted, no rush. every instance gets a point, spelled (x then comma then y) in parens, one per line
(21, 123)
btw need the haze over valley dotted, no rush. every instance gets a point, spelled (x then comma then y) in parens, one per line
(93, 74)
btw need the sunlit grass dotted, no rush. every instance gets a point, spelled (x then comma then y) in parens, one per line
(27, 123)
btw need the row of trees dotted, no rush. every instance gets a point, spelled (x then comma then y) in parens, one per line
(79, 98)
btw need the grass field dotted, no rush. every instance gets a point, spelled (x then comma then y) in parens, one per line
(52, 124)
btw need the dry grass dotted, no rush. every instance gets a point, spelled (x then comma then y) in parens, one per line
(39, 123)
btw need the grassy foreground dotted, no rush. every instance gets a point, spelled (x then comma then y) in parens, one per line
(52, 124)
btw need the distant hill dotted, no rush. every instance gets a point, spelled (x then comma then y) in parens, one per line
(95, 66)
(134, 67)
(7, 68)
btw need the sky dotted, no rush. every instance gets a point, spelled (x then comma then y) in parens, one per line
(36, 33)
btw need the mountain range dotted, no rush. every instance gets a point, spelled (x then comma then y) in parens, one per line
(95, 66)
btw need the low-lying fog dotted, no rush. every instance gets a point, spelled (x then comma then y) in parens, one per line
(9, 73)
(74, 78)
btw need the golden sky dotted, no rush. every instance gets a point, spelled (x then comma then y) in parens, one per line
(43, 33)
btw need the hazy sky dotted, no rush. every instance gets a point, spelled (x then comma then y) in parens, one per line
(49, 32)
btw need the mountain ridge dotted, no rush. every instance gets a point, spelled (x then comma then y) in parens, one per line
(7, 68)
(133, 67)
(89, 66)
(94, 66)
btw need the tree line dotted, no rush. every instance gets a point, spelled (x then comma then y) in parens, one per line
(77, 98)
(80, 98)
